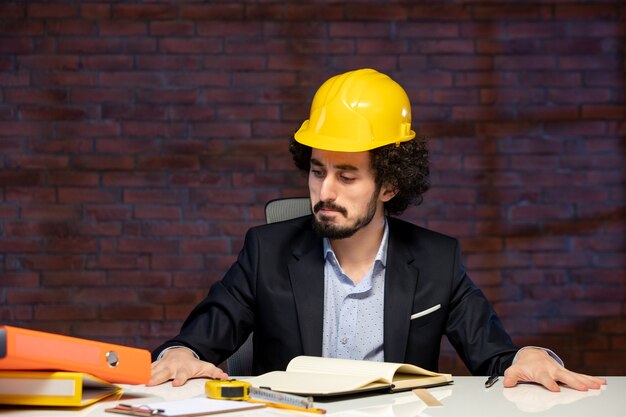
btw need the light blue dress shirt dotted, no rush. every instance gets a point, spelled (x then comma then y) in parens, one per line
(354, 313)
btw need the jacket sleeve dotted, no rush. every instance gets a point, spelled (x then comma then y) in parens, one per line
(473, 327)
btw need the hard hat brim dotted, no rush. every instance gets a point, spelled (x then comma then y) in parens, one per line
(330, 143)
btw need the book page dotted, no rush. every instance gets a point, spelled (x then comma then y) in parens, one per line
(307, 383)
(378, 370)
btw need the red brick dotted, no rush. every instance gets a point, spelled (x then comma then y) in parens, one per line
(175, 162)
(512, 12)
(95, 11)
(172, 28)
(444, 46)
(126, 146)
(134, 112)
(37, 162)
(12, 11)
(122, 28)
(177, 262)
(159, 196)
(586, 12)
(213, 246)
(50, 262)
(36, 96)
(89, 45)
(107, 261)
(132, 79)
(20, 246)
(190, 46)
(67, 312)
(20, 28)
(73, 178)
(198, 79)
(42, 10)
(386, 12)
(100, 95)
(50, 212)
(187, 62)
(63, 78)
(135, 311)
(14, 78)
(71, 27)
(56, 113)
(103, 212)
(157, 213)
(168, 97)
(212, 12)
(30, 195)
(20, 279)
(140, 278)
(140, 45)
(88, 195)
(99, 162)
(147, 245)
(145, 129)
(38, 296)
(144, 11)
(221, 129)
(112, 62)
(134, 179)
(71, 245)
(20, 178)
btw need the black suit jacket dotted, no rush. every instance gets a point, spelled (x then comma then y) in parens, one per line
(276, 289)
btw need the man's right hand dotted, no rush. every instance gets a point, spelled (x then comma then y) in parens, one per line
(179, 365)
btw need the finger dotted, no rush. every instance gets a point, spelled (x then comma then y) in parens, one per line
(513, 376)
(548, 381)
(182, 375)
(510, 382)
(158, 376)
(581, 382)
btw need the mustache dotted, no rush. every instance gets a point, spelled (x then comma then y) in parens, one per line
(329, 206)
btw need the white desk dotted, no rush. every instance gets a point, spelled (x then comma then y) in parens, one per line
(466, 398)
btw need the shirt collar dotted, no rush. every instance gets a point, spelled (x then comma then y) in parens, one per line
(381, 255)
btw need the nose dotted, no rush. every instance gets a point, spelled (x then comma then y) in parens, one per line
(328, 189)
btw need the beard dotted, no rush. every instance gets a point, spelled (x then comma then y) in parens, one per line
(325, 228)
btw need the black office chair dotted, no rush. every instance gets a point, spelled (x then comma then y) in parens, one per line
(240, 362)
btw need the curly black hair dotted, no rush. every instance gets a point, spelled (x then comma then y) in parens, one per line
(405, 167)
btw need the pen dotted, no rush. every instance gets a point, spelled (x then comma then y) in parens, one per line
(289, 407)
(491, 380)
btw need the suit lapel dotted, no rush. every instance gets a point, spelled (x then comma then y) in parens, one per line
(306, 272)
(401, 278)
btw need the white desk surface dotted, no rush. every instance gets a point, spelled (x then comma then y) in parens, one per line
(467, 397)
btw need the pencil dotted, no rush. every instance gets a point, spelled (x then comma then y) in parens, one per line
(290, 407)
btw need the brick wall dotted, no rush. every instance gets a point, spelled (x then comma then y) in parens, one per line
(139, 141)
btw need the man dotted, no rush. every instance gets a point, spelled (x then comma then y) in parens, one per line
(350, 281)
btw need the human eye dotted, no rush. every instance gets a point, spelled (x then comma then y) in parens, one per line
(316, 172)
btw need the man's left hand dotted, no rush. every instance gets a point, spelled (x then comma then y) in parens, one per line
(536, 365)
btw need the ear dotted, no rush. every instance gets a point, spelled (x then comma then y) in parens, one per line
(387, 192)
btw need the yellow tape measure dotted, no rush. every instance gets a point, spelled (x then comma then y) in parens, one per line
(232, 389)
(227, 390)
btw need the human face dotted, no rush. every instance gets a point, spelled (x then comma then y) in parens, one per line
(343, 193)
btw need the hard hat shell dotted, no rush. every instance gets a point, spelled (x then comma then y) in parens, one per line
(357, 111)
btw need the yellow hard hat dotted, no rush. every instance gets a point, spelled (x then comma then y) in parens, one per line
(357, 111)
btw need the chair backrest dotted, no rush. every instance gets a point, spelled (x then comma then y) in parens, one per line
(286, 209)
(240, 362)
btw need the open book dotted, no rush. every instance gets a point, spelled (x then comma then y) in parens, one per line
(309, 375)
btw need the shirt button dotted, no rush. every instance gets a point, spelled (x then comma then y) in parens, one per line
(344, 340)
